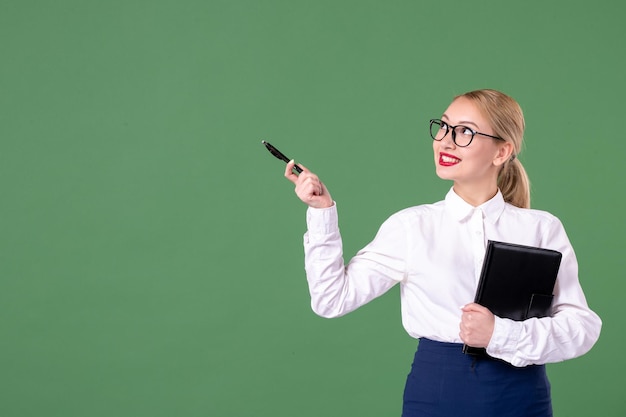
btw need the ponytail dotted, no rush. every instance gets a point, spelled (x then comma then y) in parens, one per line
(507, 121)
(514, 184)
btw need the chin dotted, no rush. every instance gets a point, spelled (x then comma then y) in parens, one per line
(444, 175)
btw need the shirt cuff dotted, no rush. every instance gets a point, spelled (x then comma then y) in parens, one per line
(322, 221)
(505, 338)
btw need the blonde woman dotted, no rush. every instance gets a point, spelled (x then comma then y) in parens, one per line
(435, 253)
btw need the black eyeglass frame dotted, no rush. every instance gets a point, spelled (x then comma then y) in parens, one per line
(450, 128)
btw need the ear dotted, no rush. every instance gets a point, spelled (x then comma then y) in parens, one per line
(504, 153)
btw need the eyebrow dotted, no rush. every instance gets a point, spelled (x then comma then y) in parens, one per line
(463, 122)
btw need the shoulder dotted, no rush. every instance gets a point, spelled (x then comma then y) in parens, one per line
(421, 210)
(417, 214)
(542, 222)
(411, 221)
(530, 214)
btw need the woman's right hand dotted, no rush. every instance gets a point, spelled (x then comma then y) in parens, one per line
(309, 188)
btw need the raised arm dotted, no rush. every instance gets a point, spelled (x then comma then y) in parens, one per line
(337, 288)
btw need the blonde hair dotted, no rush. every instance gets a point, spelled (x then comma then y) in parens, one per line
(507, 120)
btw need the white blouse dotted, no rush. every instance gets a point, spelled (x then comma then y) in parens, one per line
(435, 251)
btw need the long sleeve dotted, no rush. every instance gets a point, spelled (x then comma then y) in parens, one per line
(570, 332)
(337, 289)
(435, 252)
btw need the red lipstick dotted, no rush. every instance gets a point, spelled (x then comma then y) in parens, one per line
(448, 160)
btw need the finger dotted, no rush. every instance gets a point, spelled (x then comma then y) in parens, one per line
(289, 174)
(304, 169)
(474, 307)
(307, 185)
(317, 188)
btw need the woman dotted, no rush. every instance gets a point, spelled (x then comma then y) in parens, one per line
(435, 252)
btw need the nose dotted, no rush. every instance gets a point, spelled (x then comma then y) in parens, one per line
(448, 139)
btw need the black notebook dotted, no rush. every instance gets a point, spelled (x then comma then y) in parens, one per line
(516, 282)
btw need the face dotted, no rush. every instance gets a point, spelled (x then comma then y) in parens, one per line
(477, 164)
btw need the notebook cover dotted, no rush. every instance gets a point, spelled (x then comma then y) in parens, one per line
(516, 282)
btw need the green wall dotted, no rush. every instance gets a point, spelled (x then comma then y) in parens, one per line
(150, 251)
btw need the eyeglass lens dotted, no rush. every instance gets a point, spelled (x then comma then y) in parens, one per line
(461, 135)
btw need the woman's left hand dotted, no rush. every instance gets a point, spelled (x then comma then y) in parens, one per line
(477, 324)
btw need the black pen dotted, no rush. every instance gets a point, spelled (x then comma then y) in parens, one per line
(278, 154)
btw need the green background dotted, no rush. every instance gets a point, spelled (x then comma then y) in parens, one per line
(150, 251)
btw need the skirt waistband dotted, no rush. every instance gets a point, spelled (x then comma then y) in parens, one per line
(452, 354)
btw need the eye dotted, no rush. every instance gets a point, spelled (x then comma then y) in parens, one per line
(443, 125)
(466, 130)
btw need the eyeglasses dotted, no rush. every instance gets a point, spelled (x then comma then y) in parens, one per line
(461, 135)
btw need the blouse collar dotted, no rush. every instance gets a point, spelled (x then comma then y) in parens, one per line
(460, 210)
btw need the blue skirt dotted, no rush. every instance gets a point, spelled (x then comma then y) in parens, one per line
(444, 382)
